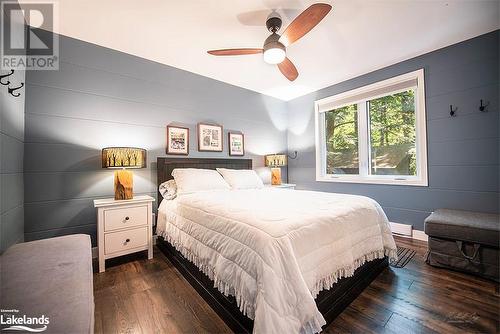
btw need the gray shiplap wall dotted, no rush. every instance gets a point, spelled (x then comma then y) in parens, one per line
(11, 163)
(101, 97)
(463, 151)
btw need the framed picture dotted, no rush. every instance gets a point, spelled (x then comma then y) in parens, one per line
(177, 140)
(209, 137)
(236, 142)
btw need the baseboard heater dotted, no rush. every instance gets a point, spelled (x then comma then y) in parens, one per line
(402, 229)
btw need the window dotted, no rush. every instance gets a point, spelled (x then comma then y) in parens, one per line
(342, 140)
(374, 134)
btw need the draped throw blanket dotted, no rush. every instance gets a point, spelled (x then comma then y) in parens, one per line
(276, 249)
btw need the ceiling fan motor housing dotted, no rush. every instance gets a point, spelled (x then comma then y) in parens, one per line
(273, 24)
(274, 51)
(272, 42)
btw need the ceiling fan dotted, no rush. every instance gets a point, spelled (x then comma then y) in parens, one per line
(274, 48)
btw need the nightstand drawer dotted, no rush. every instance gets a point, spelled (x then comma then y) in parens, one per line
(124, 240)
(115, 219)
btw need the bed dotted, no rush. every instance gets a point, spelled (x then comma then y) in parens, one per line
(290, 260)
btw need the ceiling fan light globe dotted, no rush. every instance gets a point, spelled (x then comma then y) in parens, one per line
(274, 55)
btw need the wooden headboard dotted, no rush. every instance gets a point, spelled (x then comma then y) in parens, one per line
(165, 166)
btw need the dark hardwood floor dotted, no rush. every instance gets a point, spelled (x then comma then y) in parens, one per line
(135, 295)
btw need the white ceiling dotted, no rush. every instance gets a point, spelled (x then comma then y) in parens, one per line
(356, 37)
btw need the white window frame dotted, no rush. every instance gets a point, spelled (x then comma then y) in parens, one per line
(339, 100)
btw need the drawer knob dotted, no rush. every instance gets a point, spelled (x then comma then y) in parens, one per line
(127, 218)
(127, 240)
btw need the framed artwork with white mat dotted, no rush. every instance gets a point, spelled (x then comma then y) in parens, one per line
(236, 143)
(210, 137)
(177, 140)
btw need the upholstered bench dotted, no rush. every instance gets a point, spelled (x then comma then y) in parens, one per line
(465, 241)
(50, 278)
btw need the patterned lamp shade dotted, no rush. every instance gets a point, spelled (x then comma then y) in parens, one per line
(275, 160)
(123, 157)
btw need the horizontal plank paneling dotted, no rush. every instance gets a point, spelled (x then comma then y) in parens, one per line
(60, 102)
(101, 97)
(463, 77)
(11, 191)
(55, 157)
(192, 98)
(56, 214)
(11, 154)
(90, 133)
(62, 186)
(471, 178)
(473, 126)
(41, 216)
(464, 102)
(97, 134)
(11, 227)
(87, 229)
(12, 110)
(476, 152)
(74, 158)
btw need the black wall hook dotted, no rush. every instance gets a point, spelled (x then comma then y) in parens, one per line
(452, 111)
(294, 155)
(483, 107)
(5, 76)
(12, 90)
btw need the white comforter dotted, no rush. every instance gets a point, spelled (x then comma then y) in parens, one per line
(275, 249)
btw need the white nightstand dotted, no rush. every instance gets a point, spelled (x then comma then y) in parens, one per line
(283, 185)
(124, 227)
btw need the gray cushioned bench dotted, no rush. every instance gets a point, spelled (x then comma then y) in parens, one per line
(465, 241)
(51, 277)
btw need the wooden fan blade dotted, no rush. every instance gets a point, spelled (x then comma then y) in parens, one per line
(288, 69)
(303, 23)
(235, 52)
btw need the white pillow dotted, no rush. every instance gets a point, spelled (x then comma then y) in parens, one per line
(241, 178)
(168, 189)
(190, 180)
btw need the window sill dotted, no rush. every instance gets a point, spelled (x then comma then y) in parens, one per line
(374, 180)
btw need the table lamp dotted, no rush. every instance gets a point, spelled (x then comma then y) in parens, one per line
(123, 158)
(275, 161)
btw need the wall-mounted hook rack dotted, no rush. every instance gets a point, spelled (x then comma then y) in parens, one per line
(12, 90)
(482, 107)
(452, 111)
(6, 76)
(8, 83)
